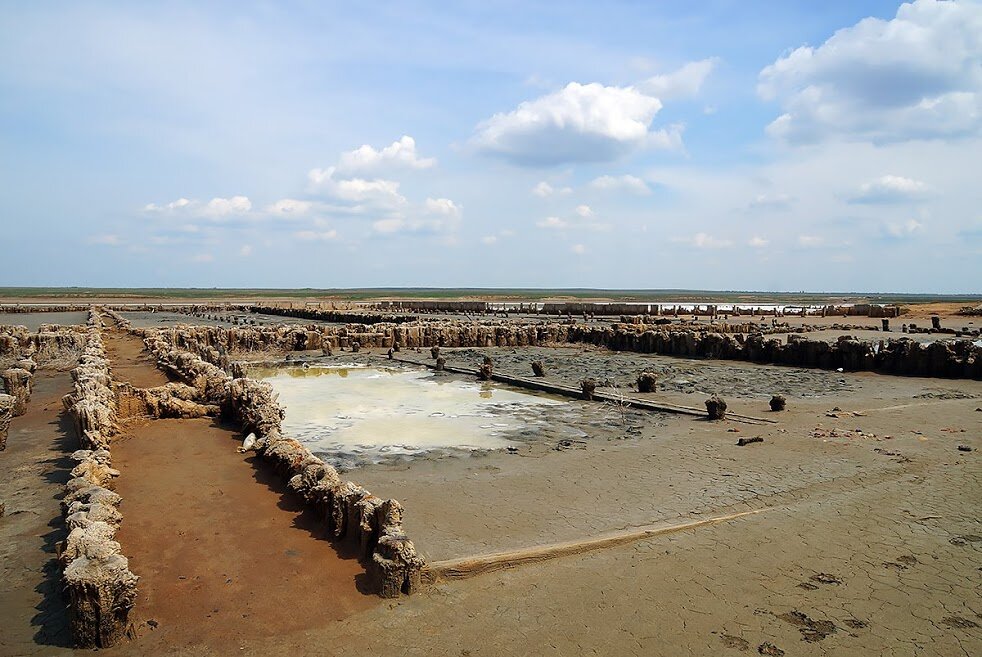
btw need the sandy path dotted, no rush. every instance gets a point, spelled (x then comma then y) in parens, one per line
(131, 363)
(223, 552)
(33, 471)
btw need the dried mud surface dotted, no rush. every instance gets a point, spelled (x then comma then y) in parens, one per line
(130, 361)
(33, 472)
(223, 551)
(868, 538)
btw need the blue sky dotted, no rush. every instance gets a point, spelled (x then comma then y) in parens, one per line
(719, 145)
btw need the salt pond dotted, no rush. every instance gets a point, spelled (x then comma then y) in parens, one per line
(361, 414)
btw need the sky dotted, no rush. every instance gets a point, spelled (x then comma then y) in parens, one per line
(724, 144)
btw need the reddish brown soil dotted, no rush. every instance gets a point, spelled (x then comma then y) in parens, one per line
(131, 363)
(223, 552)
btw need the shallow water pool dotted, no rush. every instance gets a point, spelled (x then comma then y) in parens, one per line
(362, 414)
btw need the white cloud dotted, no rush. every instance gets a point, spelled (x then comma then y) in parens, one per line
(106, 240)
(771, 202)
(810, 241)
(443, 206)
(584, 211)
(580, 123)
(173, 205)
(399, 154)
(223, 207)
(553, 222)
(686, 82)
(316, 236)
(917, 76)
(217, 208)
(545, 190)
(901, 230)
(626, 183)
(289, 207)
(578, 249)
(757, 242)
(891, 189)
(356, 190)
(246, 250)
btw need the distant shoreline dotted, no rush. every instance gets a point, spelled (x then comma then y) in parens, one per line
(96, 294)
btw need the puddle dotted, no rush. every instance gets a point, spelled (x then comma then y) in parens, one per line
(358, 414)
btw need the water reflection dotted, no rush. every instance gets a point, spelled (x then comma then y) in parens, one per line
(356, 414)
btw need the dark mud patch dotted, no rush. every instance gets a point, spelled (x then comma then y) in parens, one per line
(811, 630)
(736, 642)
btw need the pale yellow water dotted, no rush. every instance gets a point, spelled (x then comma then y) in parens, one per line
(367, 413)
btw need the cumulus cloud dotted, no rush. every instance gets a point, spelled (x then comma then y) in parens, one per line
(401, 154)
(757, 242)
(223, 207)
(438, 217)
(179, 204)
(916, 76)
(443, 206)
(891, 189)
(625, 183)
(579, 123)
(584, 211)
(686, 82)
(377, 191)
(217, 208)
(545, 190)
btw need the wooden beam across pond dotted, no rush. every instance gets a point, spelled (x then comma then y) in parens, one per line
(542, 385)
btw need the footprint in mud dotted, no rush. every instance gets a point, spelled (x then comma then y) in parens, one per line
(770, 650)
(958, 622)
(811, 630)
(731, 641)
(965, 540)
(821, 578)
(825, 578)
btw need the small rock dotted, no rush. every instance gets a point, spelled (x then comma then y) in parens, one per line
(770, 650)
(964, 448)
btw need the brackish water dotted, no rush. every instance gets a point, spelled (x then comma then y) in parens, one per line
(355, 415)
